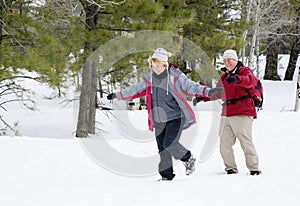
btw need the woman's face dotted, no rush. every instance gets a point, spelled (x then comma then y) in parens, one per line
(158, 67)
(230, 64)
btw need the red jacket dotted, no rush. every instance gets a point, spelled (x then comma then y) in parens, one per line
(236, 90)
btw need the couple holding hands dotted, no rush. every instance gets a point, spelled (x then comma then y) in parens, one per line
(165, 88)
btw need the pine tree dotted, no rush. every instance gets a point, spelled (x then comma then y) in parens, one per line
(110, 21)
(14, 42)
(215, 29)
(37, 39)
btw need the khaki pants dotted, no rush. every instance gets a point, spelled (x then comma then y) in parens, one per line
(239, 127)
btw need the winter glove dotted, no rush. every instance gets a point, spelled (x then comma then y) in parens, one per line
(111, 96)
(197, 99)
(232, 78)
(213, 91)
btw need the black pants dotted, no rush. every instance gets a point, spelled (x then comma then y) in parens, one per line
(167, 137)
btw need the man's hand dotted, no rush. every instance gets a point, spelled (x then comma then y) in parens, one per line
(232, 78)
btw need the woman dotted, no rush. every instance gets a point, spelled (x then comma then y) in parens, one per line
(165, 88)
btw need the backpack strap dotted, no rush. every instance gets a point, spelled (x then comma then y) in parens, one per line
(234, 100)
(237, 71)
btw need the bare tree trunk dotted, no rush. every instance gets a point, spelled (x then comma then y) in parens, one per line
(1, 21)
(100, 87)
(244, 8)
(93, 99)
(87, 104)
(254, 36)
(295, 51)
(293, 60)
(297, 92)
(84, 104)
(87, 107)
(257, 57)
(272, 60)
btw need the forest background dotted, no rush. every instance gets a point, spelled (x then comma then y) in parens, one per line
(54, 38)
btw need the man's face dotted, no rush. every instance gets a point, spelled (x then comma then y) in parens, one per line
(230, 64)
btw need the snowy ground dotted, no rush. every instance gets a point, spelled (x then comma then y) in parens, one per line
(49, 166)
(47, 171)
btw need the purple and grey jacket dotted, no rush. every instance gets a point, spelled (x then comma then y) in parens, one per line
(177, 84)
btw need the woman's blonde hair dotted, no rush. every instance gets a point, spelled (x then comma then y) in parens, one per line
(155, 60)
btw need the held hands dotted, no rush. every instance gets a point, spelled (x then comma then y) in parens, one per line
(111, 96)
(215, 90)
(211, 92)
(232, 78)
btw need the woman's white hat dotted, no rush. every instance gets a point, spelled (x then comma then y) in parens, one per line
(161, 54)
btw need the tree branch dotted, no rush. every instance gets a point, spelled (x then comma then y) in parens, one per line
(6, 124)
(24, 77)
(15, 100)
(105, 2)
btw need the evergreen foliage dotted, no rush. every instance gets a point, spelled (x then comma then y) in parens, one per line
(142, 15)
(39, 39)
(217, 26)
(49, 38)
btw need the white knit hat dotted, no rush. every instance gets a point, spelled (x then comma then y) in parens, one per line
(231, 54)
(161, 54)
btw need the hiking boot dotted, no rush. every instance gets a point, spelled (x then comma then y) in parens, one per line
(164, 179)
(190, 165)
(231, 171)
(255, 173)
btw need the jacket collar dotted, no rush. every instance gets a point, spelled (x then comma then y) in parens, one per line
(239, 64)
(162, 75)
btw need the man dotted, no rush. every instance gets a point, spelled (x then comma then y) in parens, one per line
(238, 113)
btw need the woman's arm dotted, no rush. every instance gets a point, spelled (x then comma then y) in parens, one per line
(192, 88)
(135, 91)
